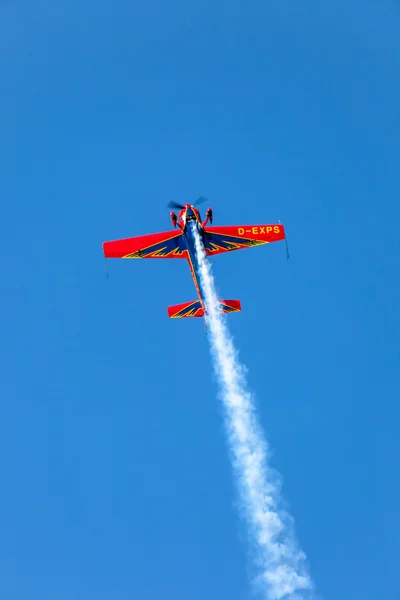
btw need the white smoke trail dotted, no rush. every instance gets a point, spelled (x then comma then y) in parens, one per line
(282, 570)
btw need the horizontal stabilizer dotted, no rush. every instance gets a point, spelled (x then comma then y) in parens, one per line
(195, 309)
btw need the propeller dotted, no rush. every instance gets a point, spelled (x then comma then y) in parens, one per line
(174, 204)
(200, 200)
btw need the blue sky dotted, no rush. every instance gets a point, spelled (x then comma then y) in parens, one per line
(115, 479)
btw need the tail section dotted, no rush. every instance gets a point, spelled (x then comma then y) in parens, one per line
(187, 309)
(228, 306)
(195, 309)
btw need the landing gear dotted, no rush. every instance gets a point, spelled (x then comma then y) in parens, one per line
(209, 216)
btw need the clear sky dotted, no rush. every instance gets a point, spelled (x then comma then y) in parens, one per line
(114, 476)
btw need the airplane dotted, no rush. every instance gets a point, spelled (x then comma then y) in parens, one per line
(180, 243)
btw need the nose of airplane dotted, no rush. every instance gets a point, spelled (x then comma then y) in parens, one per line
(189, 210)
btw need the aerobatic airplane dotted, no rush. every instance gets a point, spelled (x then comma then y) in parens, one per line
(181, 244)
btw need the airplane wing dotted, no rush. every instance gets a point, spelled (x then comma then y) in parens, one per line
(225, 239)
(169, 244)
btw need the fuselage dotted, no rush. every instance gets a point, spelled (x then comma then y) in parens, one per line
(191, 225)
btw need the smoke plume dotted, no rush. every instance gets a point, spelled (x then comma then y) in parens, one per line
(282, 572)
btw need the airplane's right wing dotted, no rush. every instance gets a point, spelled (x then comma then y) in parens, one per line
(225, 239)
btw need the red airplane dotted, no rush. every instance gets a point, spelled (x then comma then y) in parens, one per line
(181, 244)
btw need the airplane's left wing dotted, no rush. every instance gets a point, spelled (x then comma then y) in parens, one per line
(225, 239)
(169, 244)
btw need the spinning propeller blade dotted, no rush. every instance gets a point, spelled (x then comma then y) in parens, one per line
(200, 200)
(174, 204)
